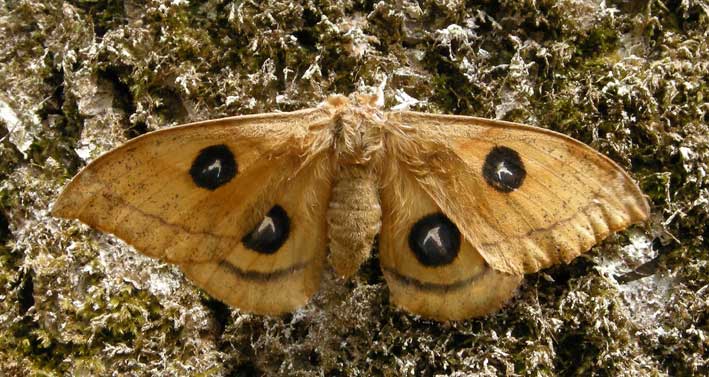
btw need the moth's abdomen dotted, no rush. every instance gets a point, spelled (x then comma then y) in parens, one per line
(354, 218)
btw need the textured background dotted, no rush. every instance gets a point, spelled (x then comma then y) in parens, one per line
(79, 77)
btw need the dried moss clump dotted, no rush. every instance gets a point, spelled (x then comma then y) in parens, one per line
(78, 77)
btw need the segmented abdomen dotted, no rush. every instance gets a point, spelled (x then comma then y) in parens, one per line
(354, 218)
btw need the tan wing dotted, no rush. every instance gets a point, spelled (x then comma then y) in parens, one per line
(269, 281)
(429, 267)
(224, 199)
(524, 197)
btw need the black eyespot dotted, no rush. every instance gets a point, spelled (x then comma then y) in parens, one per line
(435, 240)
(270, 234)
(503, 169)
(213, 167)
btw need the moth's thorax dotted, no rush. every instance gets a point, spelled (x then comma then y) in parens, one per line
(357, 128)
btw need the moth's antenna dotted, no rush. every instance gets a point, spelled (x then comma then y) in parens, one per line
(380, 92)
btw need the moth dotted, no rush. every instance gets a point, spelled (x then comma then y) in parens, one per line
(253, 208)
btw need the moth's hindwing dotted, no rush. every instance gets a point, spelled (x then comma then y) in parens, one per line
(429, 266)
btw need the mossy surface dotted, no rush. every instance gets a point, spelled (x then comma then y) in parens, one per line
(79, 77)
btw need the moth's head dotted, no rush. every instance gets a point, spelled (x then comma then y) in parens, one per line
(362, 101)
(337, 102)
(375, 101)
